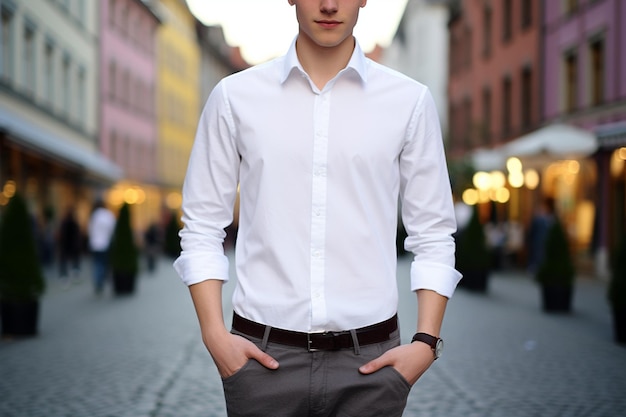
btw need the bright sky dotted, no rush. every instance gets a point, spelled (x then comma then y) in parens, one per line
(264, 29)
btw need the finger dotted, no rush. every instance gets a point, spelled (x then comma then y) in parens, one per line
(374, 365)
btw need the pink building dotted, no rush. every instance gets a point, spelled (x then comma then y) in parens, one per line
(128, 134)
(585, 85)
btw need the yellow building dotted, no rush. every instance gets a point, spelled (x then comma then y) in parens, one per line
(178, 95)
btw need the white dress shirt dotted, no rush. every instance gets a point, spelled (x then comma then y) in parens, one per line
(101, 228)
(320, 176)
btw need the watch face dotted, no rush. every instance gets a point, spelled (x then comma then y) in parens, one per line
(438, 348)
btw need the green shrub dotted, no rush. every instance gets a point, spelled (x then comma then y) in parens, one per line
(557, 266)
(617, 283)
(172, 239)
(472, 253)
(124, 251)
(21, 276)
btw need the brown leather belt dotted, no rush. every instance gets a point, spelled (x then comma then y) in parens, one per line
(375, 333)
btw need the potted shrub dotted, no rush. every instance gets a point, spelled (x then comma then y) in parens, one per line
(21, 278)
(473, 258)
(556, 272)
(124, 254)
(617, 291)
(172, 239)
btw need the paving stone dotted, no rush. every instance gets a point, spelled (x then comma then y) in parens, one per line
(143, 356)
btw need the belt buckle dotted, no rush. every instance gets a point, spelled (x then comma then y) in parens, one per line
(311, 346)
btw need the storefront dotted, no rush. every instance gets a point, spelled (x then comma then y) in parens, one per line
(553, 161)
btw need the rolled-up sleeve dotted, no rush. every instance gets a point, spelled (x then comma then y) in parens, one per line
(209, 193)
(427, 206)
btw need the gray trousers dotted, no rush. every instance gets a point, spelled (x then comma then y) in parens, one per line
(316, 384)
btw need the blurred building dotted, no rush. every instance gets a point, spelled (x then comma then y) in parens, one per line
(48, 105)
(127, 97)
(584, 85)
(177, 95)
(494, 93)
(217, 58)
(419, 49)
(538, 100)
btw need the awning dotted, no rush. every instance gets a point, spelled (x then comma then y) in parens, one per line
(551, 143)
(28, 135)
(612, 135)
(488, 159)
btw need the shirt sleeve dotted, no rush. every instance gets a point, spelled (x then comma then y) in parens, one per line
(209, 193)
(427, 206)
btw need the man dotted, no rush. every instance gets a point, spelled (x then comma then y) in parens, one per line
(321, 143)
(101, 228)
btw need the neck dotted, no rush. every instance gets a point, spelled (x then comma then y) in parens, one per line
(323, 63)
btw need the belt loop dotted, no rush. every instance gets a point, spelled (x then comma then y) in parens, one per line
(266, 337)
(355, 342)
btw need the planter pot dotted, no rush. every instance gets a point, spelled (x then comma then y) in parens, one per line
(475, 280)
(556, 299)
(19, 318)
(619, 324)
(124, 282)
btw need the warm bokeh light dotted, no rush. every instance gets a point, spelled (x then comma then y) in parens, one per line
(174, 200)
(470, 196)
(573, 167)
(498, 180)
(531, 179)
(481, 180)
(502, 195)
(9, 189)
(617, 163)
(516, 179)
(513, 165)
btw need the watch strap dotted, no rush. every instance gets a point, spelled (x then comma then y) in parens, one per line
(426, 338)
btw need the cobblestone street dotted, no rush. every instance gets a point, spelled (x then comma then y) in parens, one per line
(142, 355)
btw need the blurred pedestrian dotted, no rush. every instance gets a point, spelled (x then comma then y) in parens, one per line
(101, 227)
(70, 246)
(322, 143)
(153, 245)
(538, 230)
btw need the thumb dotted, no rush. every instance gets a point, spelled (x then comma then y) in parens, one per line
(264, 359)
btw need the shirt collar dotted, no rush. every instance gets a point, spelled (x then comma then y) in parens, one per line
(357, 63)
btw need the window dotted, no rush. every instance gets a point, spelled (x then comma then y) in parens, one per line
(487, 32)
(527, 81)
(506, 106)
(597, 72)
(28, 69)
(468, 50)
(486, 115)
(527, 13)
(65, 83)
(48, 76)
(111, 12)
(507, 20)
(571, 6)
(81, 95)
(8, 41)
(112, 80)
(467, 110)
(125, 87)
(571, 81)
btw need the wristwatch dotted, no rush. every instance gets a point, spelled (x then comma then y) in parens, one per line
(435, 343)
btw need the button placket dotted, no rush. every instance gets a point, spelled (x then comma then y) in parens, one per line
(318, 208)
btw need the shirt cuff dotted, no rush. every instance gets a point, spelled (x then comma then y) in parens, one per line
(195, 268)
(436, 277)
